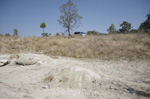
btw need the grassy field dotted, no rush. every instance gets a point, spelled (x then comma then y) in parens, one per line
(111, 47)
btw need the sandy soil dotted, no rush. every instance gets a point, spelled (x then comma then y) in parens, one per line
(69, 78)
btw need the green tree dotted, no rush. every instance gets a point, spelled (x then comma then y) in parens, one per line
(7, 34)
(1, 34)
(111, 29)
(92, 33)
(133, 31)
(145, 26)
(126, 27)
(69, 18)
(43, 25)
(57, 34)
(49, 34)
(15, 32)
(63, 34)
(44, 34)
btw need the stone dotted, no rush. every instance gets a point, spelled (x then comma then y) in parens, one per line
(25, 61)
(3, 62)
(31, 59)
(14, 57)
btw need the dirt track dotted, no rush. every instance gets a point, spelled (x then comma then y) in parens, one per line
(69, 78)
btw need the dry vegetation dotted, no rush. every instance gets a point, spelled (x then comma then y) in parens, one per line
(113, 46)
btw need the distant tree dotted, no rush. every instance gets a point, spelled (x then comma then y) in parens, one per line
(43, 25)
(133, 31)
(7, 34)
(44, 34)
(69, 18)
(92, 33)
(1, 34)
(57, 34)
(63, 34)
(126, 27)
(118, 31)
(145, 26)
(111, 29)
(15, 32)
(49, 34)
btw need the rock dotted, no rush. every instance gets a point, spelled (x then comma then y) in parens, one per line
(3, 62)
(25, 61)
(31, 59)
(14, 56)
(44, 87)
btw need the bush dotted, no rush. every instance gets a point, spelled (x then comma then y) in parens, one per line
(46, 34)
(1, 34)
(7, 34)
(57, 34)
(133, 31)
(92, 33)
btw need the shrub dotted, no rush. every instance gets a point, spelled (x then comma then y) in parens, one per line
(92, 33)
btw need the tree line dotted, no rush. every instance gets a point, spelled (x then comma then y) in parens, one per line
(127, 28)
(7, 34)
(71, 19)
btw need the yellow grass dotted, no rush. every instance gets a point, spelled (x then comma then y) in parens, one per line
(112, 46)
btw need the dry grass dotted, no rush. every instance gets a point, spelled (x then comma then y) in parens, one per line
(113, 46)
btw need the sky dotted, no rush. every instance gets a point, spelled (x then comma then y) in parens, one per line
(27, 15)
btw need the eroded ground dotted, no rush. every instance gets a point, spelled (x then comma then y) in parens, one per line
(69, 78)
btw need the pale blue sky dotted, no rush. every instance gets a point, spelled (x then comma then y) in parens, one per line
(26, 15)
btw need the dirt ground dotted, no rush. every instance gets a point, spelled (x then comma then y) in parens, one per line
(70, 78)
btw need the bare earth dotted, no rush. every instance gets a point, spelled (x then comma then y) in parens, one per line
(70, 78)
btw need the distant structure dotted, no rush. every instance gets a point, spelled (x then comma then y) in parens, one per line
(80, 33)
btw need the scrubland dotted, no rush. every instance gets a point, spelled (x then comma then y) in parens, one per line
(112, 46)
(114, 66)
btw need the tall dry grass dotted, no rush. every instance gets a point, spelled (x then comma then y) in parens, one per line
(112, 46)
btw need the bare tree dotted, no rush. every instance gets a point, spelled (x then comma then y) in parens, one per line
(69, 18)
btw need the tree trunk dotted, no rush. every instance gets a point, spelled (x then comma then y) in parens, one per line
(43, 30)
(69, 31)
